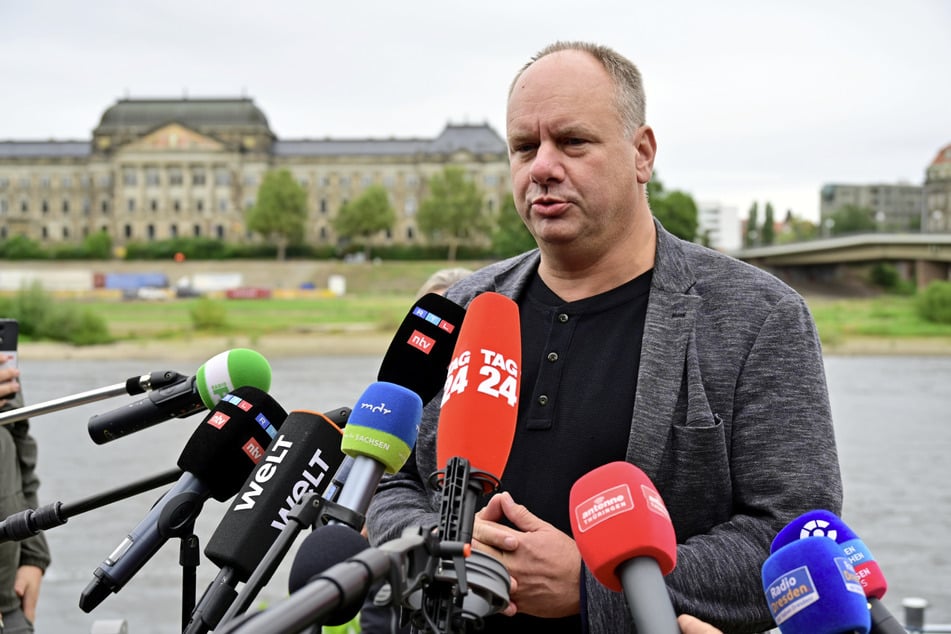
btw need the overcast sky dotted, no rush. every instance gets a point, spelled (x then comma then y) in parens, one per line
(749, 100)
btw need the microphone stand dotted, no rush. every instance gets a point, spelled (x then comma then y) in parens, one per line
(132, 386)
(29, 522)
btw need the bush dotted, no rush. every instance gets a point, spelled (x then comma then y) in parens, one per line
(934, 303)
(887, 277)
(207, 314)
(40, 318)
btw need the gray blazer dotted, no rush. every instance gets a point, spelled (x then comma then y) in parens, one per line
(731, 422)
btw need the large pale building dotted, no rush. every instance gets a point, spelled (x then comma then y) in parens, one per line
(157, 169)
(893, 206)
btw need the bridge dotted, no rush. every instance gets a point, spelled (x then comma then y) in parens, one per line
(923, 257)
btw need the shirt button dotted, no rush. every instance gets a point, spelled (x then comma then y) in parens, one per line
(552, 356)
(543, 400)
(563, 318)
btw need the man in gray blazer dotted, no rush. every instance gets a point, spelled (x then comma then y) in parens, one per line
(701, 370)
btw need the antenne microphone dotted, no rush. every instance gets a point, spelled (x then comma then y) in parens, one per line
(822, 523)
(220, 454)
(811, 588)
(473, 441)
(627, 541)
(301, 458)
(215, 378)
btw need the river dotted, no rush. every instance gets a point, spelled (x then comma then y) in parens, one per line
(893, 429)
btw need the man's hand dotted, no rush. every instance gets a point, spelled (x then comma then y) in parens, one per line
(27, 587)
(543, 562)
(8, 381)
(692, 625)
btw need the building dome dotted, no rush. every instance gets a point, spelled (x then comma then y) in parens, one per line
(141, 115)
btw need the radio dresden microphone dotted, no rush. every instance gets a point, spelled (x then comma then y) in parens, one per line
(627, 541)
(827, 524)
(216, 460)
(811, 588)
(302, 458)
(218, 376)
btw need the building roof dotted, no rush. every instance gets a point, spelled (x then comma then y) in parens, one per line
(142, 115)
(44, 149)
(477, 139)
(944, 156)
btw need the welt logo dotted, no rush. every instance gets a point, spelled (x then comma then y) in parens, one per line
(218, 420)
(421, 342)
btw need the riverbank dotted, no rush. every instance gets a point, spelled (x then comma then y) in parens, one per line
(374, 343)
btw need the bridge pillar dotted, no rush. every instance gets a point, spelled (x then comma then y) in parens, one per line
(928, 271)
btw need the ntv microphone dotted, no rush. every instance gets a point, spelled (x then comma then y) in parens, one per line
(217, 458)
(300, 459)
(215, 378)
(473, 441)
(822, 523)
(811, 588)
(627, 541)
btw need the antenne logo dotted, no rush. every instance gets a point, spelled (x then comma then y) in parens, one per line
(421, 342)
(603, 506)
(817, 528)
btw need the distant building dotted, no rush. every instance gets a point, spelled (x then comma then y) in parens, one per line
(936, 214)
(157, 169)
(719, 226)
(894, 207)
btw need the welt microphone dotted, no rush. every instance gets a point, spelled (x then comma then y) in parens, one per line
(824, 523)
(217, 458)
(627, 541)
(215, 378)
(811, 588)
(301, 458)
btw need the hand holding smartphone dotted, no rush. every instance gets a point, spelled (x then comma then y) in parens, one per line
(9, 333)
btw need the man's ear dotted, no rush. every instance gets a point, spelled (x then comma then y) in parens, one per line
(646, 147)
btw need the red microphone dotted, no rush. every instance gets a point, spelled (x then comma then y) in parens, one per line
(626, 539)
(473, 442)
(480, 398)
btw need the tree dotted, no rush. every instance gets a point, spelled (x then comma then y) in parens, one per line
(677, 211)
(511, 236)
(280, 212)
(453, 210)
(751, 238)
(768, 235)
(797, 229)
(369, 213)
(852, 219)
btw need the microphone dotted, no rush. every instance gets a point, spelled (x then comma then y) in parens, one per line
(811, 588)
(301, 458)
(824, 523)
(423, 345)
(217, 458)
(627, 541)
(473, 441)
(327, 546)
(132, 386)
(219, 375)
(379, 436)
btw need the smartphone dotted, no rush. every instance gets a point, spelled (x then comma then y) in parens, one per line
(9, 333)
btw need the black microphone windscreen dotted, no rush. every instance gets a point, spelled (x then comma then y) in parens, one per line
(326, 547)
(231, 439)
(419, 354)
(302, 458)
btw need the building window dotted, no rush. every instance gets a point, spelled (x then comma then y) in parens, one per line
(105, 180)
(410, 233)
(196, 231)
(153, 205)
(323, 205)
(323, 233)
(150, 232)
(222, 176)
(152, 177)
(104, 207)
(67, 182)
(128, 231)
(491, 180)
(198, 176)
(174, 176)
(250, 180)
(220, 231)
(24, 206)
(177, 205)
(249, 203)
(200, 205)
(65, 233)
(84, 181)
(45, 207)
(46, 233)
(173, 231)
(409, 207)
(4, 182)
(345, 181)
(412, 181)
(24, 182)
(65, 206)
(223, 204)
(129, 177)
(87, 206)
(130, 205)
(302, 181)
(45, 182)
(367, 181)
(3, 206)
